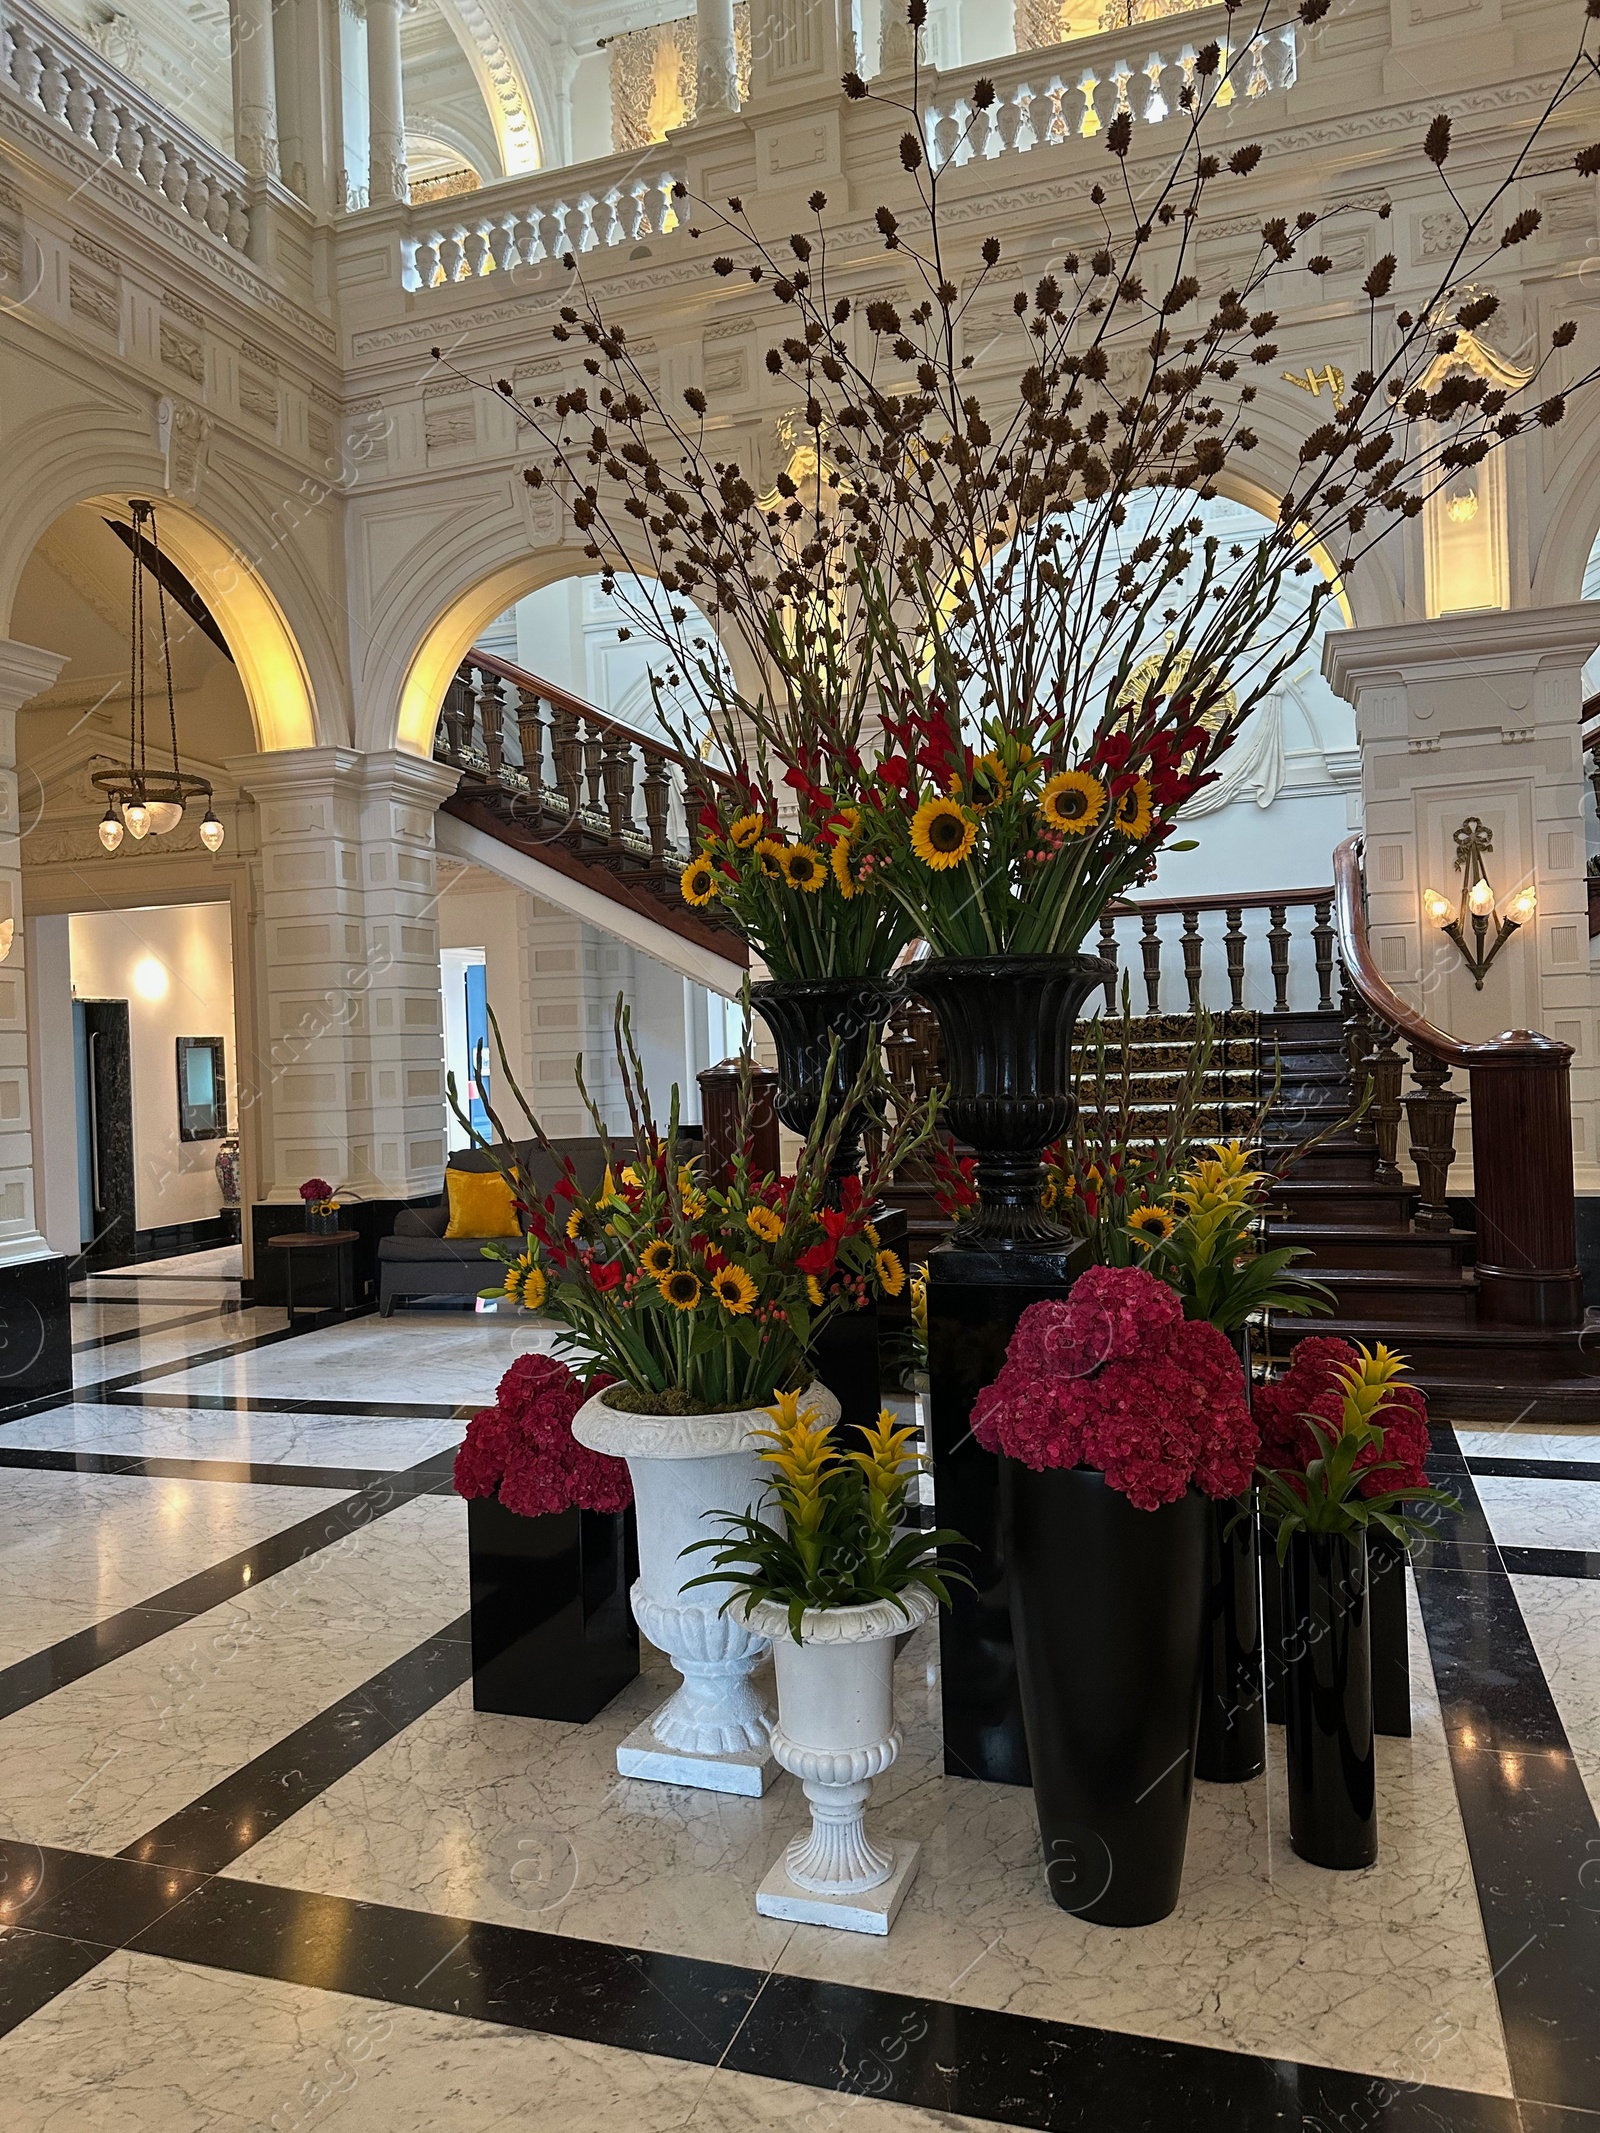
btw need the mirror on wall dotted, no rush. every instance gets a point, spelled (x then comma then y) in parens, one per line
(202, 1090)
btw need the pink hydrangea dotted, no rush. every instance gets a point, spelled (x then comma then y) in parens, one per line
(1310, 1387)
(1113, 1377)
(523, 1451)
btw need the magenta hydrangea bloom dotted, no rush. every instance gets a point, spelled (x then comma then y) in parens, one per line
(523, 1451)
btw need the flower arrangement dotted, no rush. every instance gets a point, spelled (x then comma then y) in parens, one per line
(841, 1540)
(1343, 1445)
(318, 1196)
(522, 1449)
(1209, 1251)
(980, 603)
(1114, 1377)
(701, 1294)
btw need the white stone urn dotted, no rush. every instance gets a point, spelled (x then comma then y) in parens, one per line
(836, 1733)
(713, 1732)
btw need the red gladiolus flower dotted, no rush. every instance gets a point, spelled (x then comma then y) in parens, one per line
(605, 1274)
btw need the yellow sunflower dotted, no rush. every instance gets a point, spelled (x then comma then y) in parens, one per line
(990, 772)
(1151, 1225)
(744, 830)
(533, 1287)
(891, 1274)
(1133, 813)
(765, 1223)
(699, 882)
(656, 1259)
(769, 851)
(814, 1291)
(680, 1288)
(734, 1290)
(803, 867)
(839, 861)
(849, 818)
(942, 834)
(576, 1223)
(1073, 802)
(694, 1205)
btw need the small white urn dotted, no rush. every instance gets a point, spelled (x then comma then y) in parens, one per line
(713, 1732)
(836, 1733)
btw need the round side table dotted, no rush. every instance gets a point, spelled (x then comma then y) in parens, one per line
(299, 1244)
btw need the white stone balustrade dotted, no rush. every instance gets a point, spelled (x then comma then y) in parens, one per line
(499, 229)
(47, 70)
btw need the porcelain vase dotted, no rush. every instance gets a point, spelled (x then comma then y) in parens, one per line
(836, 1733)
(714, 1732)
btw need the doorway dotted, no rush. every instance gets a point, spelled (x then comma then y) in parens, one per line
(103, 1058)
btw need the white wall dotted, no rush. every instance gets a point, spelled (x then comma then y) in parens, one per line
(50, 1077)
(174, 967)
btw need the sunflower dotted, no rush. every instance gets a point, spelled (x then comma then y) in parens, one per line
(839, 860)
(532, 1287)
(1133, 815)
(814, 1291)
(942, 834)
(1151, 1225)
(803, 867)
(1073, 802)
(694, 1205)
(577, 1224)
(699, 881)
(734, 1290)
(990, 772)
(744, 830)
(849, 819)
(680, 1288)
(656, 1259)
(765, 1223)
(891, 1274)
(769, 851)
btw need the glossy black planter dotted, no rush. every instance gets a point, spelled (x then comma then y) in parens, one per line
(553, 1635)
(1007, 1025)
(1105, 1608)
(1391, 1654)
(1328, 1732)
(1233, 1719)
(805, 1017)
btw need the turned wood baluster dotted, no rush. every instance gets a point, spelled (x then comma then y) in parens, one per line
(1150, 949)
(530, 738)
(1278, 943)
(1385, 1069)
(1358, 1032)
(567, 747)
(1233, 942)
(617, 771)
(1431, 1112)
(492, 710)
(1108, 956)
(1322, 938)
(456, 715)
(1193, 948)
(657, 805)
(594, 756)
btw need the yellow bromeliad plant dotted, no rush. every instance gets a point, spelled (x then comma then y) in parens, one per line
(1205, 1239)
(841, 1539)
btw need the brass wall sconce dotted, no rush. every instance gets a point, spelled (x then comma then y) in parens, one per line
(1477, 906)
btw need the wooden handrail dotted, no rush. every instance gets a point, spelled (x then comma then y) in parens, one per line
(1244, 900)
(1350, 916)
(563, 700)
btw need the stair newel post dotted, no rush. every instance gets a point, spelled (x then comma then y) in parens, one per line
(594, 757)
(492, 710)
(1233, 942)
(1385, 1070)
(1193, 949)
(568, 751)
(530, 737)
(1322, 938)
(1278, 945)
(1108, 956)
(1431, 1113)
(1150, 949)
(617, 766)
(1527, 1251)
(657, 802)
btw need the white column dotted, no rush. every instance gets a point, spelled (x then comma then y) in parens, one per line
(717, 66)
(25, 671)
(386, 110)
(255, 93)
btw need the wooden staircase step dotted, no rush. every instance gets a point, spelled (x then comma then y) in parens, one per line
(1402, 1295)
(1360, 1203)
(1334, 1244)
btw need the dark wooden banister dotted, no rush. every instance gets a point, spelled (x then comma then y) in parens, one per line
(1527, 1269)
(563, 700)
(1245, 900)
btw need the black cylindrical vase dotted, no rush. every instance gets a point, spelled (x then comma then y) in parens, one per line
(806, 1016)
(1007, 1024)
(1233, 1720)
(1105, 1611)
(1328, 1731)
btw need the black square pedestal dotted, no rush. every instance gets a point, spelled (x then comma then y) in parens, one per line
(35, 1329)
(553, 1635)
(974, 1301)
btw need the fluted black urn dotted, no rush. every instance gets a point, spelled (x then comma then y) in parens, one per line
(1007, 1023)
(805, 1016)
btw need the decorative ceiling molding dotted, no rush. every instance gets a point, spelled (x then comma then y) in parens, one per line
(502, 80)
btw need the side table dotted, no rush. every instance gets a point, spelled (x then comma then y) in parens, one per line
(337, 1241)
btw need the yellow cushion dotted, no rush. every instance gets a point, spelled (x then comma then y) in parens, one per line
(481, 1205)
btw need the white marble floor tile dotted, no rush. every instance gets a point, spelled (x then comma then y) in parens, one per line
(527, 1823)
(28, 1625)
(441, 1359)
(1540, 1514)
(173, 1346)
(98, 1320)
(100, 1762)
(1563, 1618)
(234, 1433)
(100, 1542)
(1576, 1440)
(225, 1262)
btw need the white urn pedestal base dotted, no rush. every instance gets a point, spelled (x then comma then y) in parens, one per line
(871, 1911)
(642, 1755)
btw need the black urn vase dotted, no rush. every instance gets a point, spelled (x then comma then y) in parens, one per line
(806, 1016)
(553, 1635)
(1106, 1615)
(1007, 1023)
(1328, 1730)
(1233, 1720)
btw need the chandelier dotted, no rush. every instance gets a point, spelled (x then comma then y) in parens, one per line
(141, 799)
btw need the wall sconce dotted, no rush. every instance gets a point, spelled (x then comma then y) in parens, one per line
(8, 933)
(1476, 907)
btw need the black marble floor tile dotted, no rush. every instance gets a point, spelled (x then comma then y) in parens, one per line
(556, 1983)
(32, 1875)
(112, 1901)
(35, 1967)
(1551, 1562)
(1554, 2118)
(1537, 1469)
(260, 1474)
